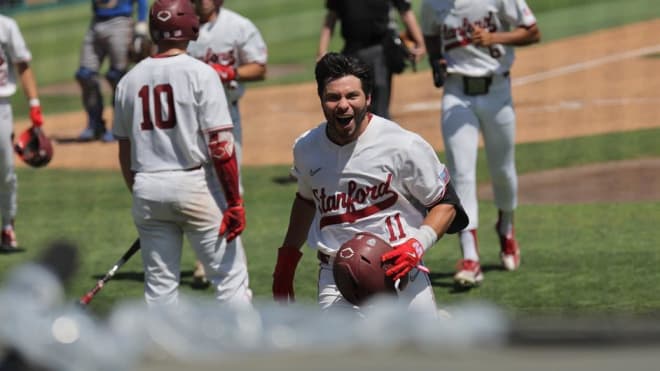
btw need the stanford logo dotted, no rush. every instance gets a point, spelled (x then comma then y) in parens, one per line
(164, 15)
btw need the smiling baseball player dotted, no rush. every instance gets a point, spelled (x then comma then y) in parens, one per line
(471, 51)
(359, 172)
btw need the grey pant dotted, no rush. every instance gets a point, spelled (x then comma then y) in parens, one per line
(374, 57)
(104, 39)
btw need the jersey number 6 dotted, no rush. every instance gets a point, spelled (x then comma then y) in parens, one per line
(165, 119)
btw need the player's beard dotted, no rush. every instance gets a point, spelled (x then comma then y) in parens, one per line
(344, 133)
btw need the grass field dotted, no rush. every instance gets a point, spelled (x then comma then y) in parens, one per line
(586, 258)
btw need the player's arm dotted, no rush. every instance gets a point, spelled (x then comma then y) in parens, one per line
(288, 256)
(223, 155)
(520, 36)
(327, 29)
(251, 72)
(30, 88)
(436, 59)
(125, 162)
(412, 27)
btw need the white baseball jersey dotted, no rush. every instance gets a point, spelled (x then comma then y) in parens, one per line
(381, 183)
(187, 99)
(229, 40)
(12, 50)
(452, 20)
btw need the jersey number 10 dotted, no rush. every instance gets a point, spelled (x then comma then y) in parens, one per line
(162, 95)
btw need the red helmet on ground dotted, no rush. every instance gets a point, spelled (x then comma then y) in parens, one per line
(358, 271)
(33, 147)
(173, 20)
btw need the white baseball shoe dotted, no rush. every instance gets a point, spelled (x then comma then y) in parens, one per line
(509, 252)
(468, 273)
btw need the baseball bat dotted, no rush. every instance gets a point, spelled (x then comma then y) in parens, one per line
(85, 299)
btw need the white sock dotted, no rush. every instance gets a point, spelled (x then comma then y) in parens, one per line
(469, 245)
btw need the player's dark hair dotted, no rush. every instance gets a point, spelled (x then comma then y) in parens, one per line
(335, 65)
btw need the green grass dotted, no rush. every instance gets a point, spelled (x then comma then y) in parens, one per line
(585, 258)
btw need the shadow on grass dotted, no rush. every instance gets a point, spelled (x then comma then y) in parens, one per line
(446, 280)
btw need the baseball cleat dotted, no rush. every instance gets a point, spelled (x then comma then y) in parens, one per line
(199, 275)
(8, 239)
(87, 135)
(468, 273)
(509, 252)
(107, 137)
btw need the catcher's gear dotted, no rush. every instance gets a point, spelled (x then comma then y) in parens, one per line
(173, 20)
(359, 272)
(285, 270)
(406, 256)
(33, 147)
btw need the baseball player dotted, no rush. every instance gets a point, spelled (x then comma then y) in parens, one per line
(171, 118)
(109, 35)
(233, 46)
(470, 46)
(359, 172)
(15, 58)
(364, 25)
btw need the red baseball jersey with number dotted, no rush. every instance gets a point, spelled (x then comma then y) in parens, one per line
(164, 105)
(452, 20)
(381, 183)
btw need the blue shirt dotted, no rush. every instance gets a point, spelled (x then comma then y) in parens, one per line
(115, 8)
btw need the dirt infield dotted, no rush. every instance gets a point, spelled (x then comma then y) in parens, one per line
(569, 88)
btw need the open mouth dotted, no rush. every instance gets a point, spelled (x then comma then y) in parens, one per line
(344, 121)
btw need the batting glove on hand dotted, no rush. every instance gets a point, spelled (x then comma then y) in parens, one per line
(227, 73)
(35, 113)
(285, 270)
(406, 256)
(233, 222)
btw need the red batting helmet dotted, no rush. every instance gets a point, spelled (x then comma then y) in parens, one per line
(359, 272)
(33, 147)
(173, 20)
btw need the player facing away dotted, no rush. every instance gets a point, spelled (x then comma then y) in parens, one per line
(15, 59)
(359, 172)
(471, 51)
(234, 47)
(109, 36)
(171, 118)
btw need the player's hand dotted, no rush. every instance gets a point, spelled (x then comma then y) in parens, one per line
(405, 257)
(481, 36)
(35, 116)
(285, 269)
(227, 73)
(233, 222)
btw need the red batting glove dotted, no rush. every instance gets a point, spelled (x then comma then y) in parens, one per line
(35, 116)
(285, 269)
(406, 256)
(227, 73)
(233, 222)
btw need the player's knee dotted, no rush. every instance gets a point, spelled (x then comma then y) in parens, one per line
(87, 77)
(114, 75)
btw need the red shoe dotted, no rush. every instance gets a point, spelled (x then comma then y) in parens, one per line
(8, 239)
(468, 273)
(509, 252)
